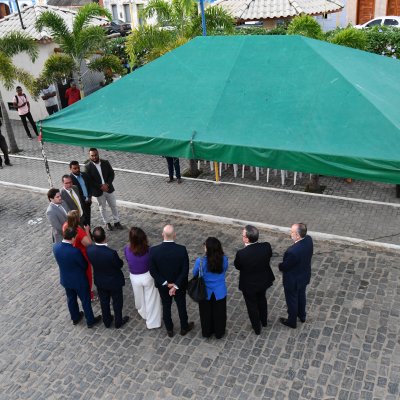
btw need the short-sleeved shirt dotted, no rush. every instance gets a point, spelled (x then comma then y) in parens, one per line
(21, 100)
(51, 101)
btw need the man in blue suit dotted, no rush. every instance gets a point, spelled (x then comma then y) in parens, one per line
(73, 277)
(169, 266)
(108, 278)
(296, 269)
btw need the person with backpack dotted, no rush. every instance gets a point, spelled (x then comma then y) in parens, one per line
(21, 103)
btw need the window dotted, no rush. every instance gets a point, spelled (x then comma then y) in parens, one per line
(390, 21)
(114, 11)
(374, 22)
(139, 11)
(127, 12)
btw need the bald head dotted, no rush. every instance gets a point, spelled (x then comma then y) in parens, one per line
(168, 232)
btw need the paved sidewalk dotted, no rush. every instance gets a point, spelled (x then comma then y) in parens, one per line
(255, 203)
(348, 348)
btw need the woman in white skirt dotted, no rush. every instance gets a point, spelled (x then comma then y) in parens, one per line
(147, 298)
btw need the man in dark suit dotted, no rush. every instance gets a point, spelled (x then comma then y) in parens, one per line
(296, 269)
(101, 177)
(108, 278)
(56, 214)
(73, 277)
(256, 276)
(169, 266)
(70, 196)
(82, 181)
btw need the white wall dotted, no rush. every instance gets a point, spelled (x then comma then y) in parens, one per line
(38, 109)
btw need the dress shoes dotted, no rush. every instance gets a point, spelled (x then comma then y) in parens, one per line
(9, 164)
(109, 324)
(285, 322)
(118, 225)
(124, 321)
(264, 324)
(179, 180)
(188, 329)
(95, 322)
(302, 320)
(170, 333)
(1, 167)
(109, 226)
(76, 321)
(170, 180)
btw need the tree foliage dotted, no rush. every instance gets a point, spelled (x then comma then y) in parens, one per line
(305, 25)
(177, 22)
(350, 37)
(383, 40)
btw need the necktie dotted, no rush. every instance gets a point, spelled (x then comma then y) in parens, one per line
(78, 206)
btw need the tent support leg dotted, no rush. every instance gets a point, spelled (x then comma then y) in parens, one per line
(46, 163)
(216, 169)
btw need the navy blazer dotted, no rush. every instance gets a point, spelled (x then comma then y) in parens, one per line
(169, 262)
(76, 183)
(296, 264)
(72, 266)
(107, 266)
(255, 270)
(95, 179)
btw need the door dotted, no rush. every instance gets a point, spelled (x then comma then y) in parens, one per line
(393, 7)
(365, 10)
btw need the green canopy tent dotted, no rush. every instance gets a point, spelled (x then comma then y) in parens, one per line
(285, 102)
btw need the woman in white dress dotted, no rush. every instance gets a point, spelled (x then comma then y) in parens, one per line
(147, 298)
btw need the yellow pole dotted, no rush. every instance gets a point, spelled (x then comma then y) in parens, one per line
(216, 169)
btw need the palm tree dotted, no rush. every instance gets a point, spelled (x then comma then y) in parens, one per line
(77, 45)
(10, 45)
(178, 21)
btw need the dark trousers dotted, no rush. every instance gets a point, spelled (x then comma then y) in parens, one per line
(257, 308)
(73, 307)
(173, 163)
(180, 300)
(52, 109)
(105, 297)
(4, 149)
(213, 317)
(296, 303)
(86, 208)
(32, 122)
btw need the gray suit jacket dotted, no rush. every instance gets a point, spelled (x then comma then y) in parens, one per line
(68, 203)
(56, 217)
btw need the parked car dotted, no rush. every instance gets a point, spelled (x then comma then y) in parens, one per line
(388, 20)
(118, 26)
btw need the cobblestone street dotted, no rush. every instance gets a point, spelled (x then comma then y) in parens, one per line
(349, 347)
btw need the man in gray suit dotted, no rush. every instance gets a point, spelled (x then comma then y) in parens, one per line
(70, 195)
(56, 214)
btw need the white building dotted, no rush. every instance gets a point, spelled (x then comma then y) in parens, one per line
(46, 48)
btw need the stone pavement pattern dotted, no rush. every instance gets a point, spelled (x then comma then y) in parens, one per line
(348, 349)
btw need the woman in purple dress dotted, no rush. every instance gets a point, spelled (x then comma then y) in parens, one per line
(147, 298)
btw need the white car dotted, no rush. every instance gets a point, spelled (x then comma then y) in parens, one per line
(388, 20)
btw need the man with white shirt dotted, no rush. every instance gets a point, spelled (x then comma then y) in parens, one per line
(101, 177)
(108, 278)
(21, 103)
(56, 214)
(256, 276)
(49, 96)
(70, 196)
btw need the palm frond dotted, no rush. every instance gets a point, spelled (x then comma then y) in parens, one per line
(57, 67)
(86, 13)
(217, 19)
(56, 26)
(106, 62)
(160, 8)
(17, 42)
(7, 71)
(89, 40)
(28, 80)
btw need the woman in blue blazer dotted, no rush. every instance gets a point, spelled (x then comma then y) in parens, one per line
(213, 267)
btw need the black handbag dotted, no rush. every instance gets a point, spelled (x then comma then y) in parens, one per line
(196, 286)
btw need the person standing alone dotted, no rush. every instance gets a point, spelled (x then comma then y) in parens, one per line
(21, 103)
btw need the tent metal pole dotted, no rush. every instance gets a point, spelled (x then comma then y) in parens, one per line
(203, 18)
(216, 169)
(46, 163)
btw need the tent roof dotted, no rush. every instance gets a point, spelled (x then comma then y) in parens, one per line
(265, 9)
(284, 102)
